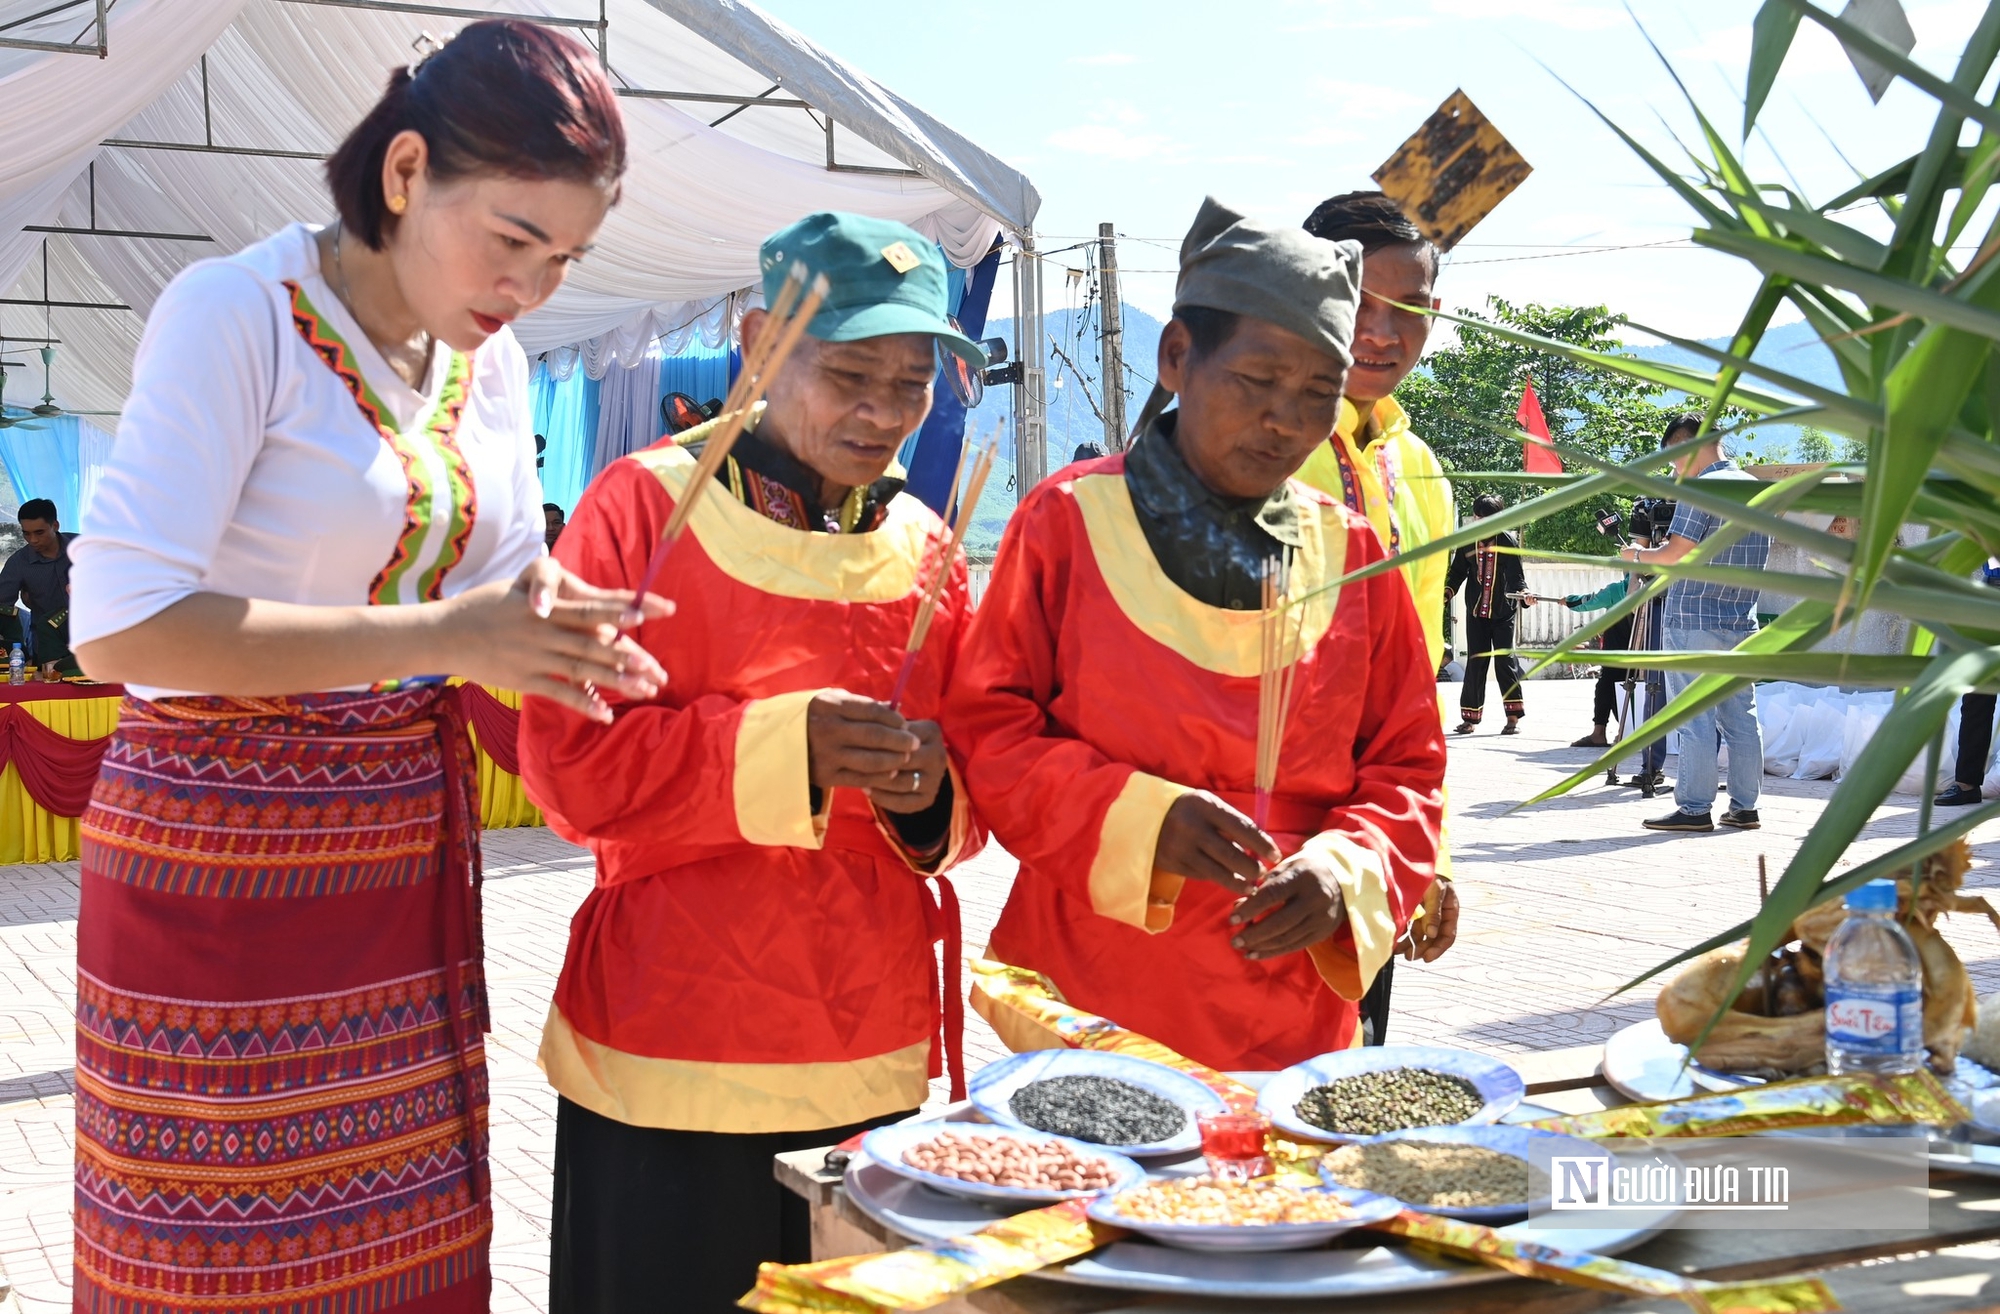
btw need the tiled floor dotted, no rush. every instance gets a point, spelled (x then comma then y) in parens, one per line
(1562, 903)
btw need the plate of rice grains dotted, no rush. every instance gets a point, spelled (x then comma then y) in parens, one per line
(1127, 1104)
(999, 1164)
(1355, 1093)
(1480, 1174)
(1202, 1213)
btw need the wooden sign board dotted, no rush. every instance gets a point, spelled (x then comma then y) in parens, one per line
(1453, 172)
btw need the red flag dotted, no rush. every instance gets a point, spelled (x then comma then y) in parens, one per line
(1538, 457)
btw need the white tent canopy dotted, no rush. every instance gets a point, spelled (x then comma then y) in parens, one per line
(204, 127)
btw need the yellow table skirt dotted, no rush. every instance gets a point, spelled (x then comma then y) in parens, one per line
(28, 833)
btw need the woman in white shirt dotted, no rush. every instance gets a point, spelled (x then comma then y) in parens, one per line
(322, 501)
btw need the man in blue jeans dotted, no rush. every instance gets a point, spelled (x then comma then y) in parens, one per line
(1709, 617)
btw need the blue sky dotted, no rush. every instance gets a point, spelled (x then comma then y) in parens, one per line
(1130, 112)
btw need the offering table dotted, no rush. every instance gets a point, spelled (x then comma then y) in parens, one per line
(1950, 1267)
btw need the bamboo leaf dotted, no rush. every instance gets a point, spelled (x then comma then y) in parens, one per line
(1898, 859)
(1850, 670)
(1770, 40)
(1925, 393)
(1879, 289)
(1805, 624)
(1677, 377)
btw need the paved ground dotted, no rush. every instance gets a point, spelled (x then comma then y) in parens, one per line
(1561, 904)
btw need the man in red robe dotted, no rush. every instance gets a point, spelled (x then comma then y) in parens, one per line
(754, 970)
(1105, 707)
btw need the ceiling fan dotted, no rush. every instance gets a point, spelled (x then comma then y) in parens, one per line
(47, 409)
(11, 421)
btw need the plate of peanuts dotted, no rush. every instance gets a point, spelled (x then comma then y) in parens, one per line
(1204, 1213)
(999, 1164)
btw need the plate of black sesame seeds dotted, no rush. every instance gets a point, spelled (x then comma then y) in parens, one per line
(1124, 1103)
(1352, 1094)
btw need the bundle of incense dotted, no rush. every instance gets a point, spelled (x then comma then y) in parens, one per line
(1852, 1099)
(789, 316)
(959, 511)
(1277, 671)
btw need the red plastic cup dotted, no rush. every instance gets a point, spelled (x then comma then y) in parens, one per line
(1233, 1145)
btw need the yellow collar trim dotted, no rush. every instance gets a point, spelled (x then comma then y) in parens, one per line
(1215, 639)
(879, 566)
(1391, 422)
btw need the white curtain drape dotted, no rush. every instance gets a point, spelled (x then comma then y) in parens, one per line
(57, 107)
(628, 409)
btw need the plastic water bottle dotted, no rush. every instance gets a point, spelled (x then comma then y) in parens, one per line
(17, 666)
(1874, 988)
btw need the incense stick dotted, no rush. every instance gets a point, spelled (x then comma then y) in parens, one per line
(787, 324)
(1281, 630)
(966, 507)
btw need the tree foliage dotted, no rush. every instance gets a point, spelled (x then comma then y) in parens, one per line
(1462, 402)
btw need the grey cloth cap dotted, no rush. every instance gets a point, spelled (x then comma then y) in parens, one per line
(1278, 273)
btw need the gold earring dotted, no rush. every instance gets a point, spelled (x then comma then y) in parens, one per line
(398, 204)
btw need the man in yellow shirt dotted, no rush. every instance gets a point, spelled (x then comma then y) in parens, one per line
(1381, 469)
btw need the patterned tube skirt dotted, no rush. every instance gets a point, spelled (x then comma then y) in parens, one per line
(281, 1078)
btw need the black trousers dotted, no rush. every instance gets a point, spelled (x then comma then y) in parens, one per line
(1605, 702)
(647, 1220)
(1482, 636)
(1975, 737)
(1374, 1008)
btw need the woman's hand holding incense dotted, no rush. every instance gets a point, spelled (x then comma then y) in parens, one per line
(551, 634)
(916, 786)
(854, 742)
(1297, 906)
(1204, 839)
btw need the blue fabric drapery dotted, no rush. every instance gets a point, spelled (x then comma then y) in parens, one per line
(588, 423)
(935, 453)
(47, 458)
(566, 417)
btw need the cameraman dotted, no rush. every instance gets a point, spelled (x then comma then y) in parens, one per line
(1707, 617)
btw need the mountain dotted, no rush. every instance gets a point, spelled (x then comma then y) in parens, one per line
(1793, 349)
(1075, 396)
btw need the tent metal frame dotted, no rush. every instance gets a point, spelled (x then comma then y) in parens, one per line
(100, 48)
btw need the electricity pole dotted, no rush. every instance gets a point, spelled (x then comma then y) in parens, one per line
(1113, 317)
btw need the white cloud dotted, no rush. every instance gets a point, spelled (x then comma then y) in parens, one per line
(1365, 100)
(1109, 59)
(1110, 141)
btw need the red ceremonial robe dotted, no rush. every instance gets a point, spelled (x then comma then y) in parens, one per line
(1092, 692)
(744, 964)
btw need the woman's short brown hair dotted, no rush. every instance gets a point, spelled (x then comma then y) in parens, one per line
(504, 96)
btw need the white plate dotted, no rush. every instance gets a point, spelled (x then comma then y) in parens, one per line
(1641, 1064)
(1261, 1238)
(993, 1085)
(886, 1146)
(1351, 1269)
(1497, 1084)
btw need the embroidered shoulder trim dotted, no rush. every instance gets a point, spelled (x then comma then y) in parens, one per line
(403, 579)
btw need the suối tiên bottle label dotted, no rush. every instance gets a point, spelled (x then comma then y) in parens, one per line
(1875, 1019)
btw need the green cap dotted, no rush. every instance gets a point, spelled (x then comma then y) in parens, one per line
(884, 277)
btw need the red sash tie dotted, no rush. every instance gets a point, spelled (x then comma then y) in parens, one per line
(941, 922)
